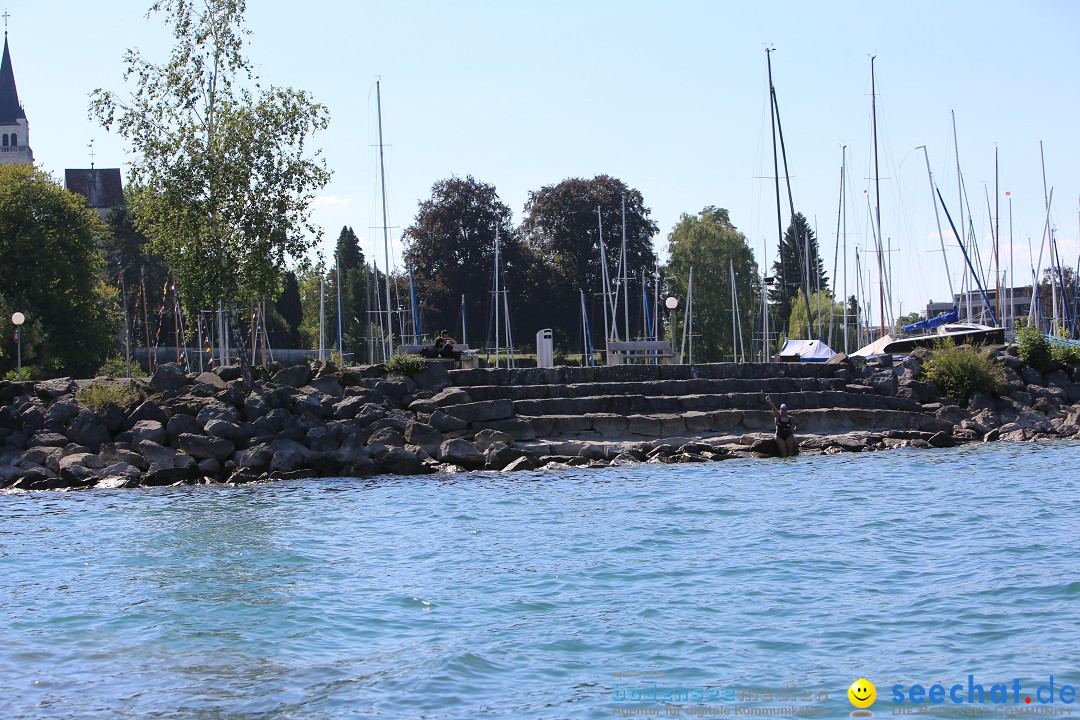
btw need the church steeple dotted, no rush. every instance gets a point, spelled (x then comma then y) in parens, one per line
(14, 128)
(10, 109)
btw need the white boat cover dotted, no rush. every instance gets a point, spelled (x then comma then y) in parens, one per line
(875, 348)
(808, 350)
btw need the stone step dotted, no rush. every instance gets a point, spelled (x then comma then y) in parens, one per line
(639, 373)
(630, 404)
(672, 388)
(660, 425)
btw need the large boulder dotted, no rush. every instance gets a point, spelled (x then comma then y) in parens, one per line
(151, 430)
(296, 376)
(460, 452)
(89, 429)
(146, 411)
(167, 377)
(203, 446)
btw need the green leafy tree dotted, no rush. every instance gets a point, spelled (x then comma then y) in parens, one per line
(561, 226)
(51, 271)
(222, 175)
(451, 249)
(908, 319)
(710, 244)
(790, 270)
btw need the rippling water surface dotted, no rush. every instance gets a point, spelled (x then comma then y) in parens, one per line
(529, 596)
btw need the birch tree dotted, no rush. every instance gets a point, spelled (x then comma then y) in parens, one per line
(222, 173)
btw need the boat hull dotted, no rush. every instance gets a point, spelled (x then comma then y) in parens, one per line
(903, 346)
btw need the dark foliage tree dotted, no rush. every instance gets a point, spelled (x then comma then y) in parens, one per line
(791, 270)
(710, 244)
(561, 226)
(285, 315)
(451, 249)
(51, 271)
(348, 262)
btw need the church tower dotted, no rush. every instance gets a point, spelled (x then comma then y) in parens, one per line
(14, 130)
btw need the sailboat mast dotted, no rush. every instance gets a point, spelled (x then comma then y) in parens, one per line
(776, 179)
(997, 237)
(877, 197)
(604, 292)
(960, 193)
(843, 202)
(937, 218)
(625, 280)
(389, 341)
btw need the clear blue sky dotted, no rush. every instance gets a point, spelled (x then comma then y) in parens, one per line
(670, 97)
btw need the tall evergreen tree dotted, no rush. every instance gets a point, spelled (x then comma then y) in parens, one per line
(799, 242)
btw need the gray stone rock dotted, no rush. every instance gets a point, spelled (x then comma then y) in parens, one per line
(116, 482)
(167, 377)
(942, 440)
(255, 407)
(87, 460)
(202, 446)
(522, 463)
(433, 377)
(52, 389)
(498, 455)
(48, 457)
(387, 436)
(180, 424)
(486, 438)
(212, 379)
(445, 423)
(424, 436)
(165, 476)
(451, 396)
(151, 430)
(61, 412)
(89, 429)
(400, 461)
(328, 385)
(217, 410)
(256, 458)
(47, 439)
(227, 430)
(320, 439)
(350, 406)
(288, 455)
(146, 411)
(155, 455)
(460, 452)
(209, 467)
(296, 376)
(228, 373)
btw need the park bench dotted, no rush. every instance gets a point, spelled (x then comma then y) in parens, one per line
(631, 351)
(468, 357)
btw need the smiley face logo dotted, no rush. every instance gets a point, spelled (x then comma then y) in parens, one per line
(862, 693)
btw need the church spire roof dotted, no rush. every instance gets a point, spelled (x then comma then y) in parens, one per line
(10, 109)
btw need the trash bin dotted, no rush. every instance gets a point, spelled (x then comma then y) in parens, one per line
(545, 353)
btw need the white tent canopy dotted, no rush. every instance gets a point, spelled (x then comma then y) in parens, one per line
(808, 350)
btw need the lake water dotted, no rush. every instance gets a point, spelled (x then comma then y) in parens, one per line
(577, 594)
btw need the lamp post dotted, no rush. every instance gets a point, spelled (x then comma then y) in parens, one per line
(671, 303)
(17, 319)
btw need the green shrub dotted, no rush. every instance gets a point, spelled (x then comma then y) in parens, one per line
(118, 367)
(1034, 348)
(405, 364)
(959, 371)
(1065, 353)
(29, 372)
(97, 395)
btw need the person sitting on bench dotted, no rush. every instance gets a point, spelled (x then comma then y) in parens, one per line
(444, 346)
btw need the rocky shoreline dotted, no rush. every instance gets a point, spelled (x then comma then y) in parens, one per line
(322, 421)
